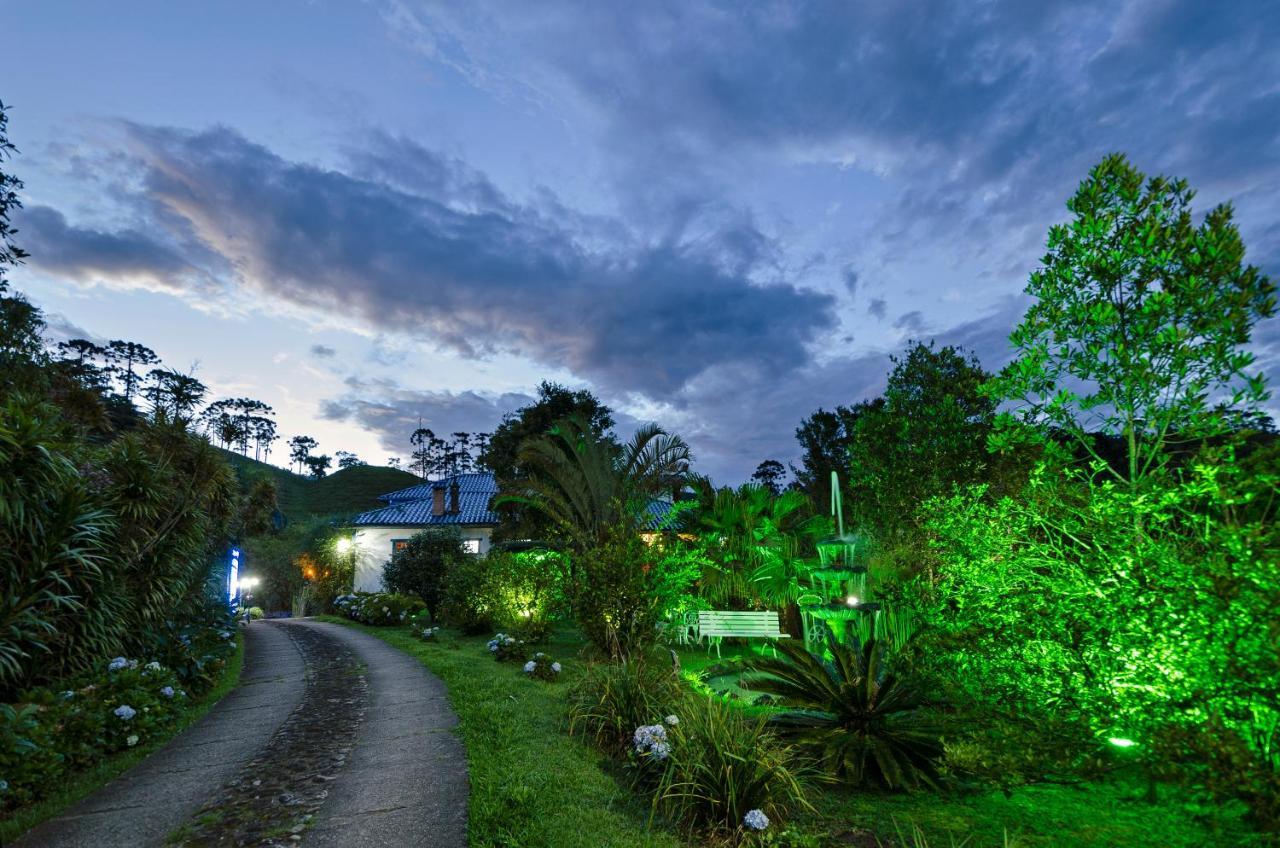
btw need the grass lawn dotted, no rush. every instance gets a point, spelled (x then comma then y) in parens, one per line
(77, 786)
(532, 785)
(1044, 815)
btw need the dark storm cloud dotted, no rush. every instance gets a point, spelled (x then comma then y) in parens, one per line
(876, 308)
(393, 412)
(323, 351)
(440, 254)
(983, 116)
(85, 253)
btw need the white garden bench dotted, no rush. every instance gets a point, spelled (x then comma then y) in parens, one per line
(719, 624)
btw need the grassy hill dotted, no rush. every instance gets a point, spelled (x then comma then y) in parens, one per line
(344, 492)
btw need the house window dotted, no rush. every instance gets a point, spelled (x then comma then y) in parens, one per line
(398, 545)
(471, 546)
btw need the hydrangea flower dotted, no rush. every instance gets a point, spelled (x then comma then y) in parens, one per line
(132, 740)
(226, 634)
(4, 786)
(530, 666)
(153, 666)
(755, 820)
(672, 720)
(117, 664)
(651, 740)
(68, 695)
(555, 666)
(167, 691)
(125, 712)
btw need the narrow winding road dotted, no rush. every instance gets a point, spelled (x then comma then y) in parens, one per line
(333, 738)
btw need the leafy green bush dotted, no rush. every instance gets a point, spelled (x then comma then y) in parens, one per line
(861, 721)
(723, 772)
(378, 608)
(1099, 611)
(420, 567)
(542, 667)
(467, 604)
(612, 600)
(507, 648)
(610, 700)
(53, 731)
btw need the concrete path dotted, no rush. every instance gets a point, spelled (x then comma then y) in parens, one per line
(142, 806)
(404, 781)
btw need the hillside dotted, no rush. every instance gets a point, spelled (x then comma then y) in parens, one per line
(344, 492)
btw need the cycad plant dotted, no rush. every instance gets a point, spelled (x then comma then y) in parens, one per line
(862, 723)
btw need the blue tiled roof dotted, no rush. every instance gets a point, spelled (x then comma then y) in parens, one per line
(412, 507)
(475, 482)
(655, 512)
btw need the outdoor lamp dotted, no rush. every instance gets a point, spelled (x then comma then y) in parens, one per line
(343, 545)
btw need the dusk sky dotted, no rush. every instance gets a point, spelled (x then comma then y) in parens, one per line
(716, 216)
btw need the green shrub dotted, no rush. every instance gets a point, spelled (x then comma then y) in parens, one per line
(861, 722)
(421, 565)
(723, 770)
(507, 648)
(610, 700)
(542, 666)
(612, 596)
(255, 614)
(52, 731)
(379, 608)
(523, 590)
(467, 604)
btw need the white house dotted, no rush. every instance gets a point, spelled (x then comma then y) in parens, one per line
(461, 501)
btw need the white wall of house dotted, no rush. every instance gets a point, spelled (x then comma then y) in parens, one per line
(374, 545)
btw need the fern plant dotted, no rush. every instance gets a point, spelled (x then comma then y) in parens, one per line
(861, 722)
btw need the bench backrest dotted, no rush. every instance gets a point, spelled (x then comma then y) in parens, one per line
(737, 623)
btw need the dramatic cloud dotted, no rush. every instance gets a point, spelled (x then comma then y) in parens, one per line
(124, 255)
(982, 117)
(393, 412)
(423, 246)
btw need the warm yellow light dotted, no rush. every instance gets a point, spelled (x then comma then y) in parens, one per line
(526, 613)
(343, 545)
(852, 600)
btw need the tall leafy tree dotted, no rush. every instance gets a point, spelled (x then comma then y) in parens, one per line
(928, 435)
(346, 459)
(318, 466)
(555, 403)
(300, 447)
(825, 438)
(128, 359)
(1140, 322)
(770, 474)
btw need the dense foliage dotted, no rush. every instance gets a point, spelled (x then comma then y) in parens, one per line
(419, 568)
(861, 722)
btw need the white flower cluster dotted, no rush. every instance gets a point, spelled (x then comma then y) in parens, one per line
(430, 632)
(502, 640)
(650, 740)
(755, 820)
(152, 666)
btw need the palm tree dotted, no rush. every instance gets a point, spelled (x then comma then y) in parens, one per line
(758, 541)
(588, 486)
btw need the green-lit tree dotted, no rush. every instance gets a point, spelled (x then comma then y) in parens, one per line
(1140, 323)
(1132, 601)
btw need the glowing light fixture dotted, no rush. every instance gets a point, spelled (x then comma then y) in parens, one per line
(852, 600)
(1121, 742)
(342, 545)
